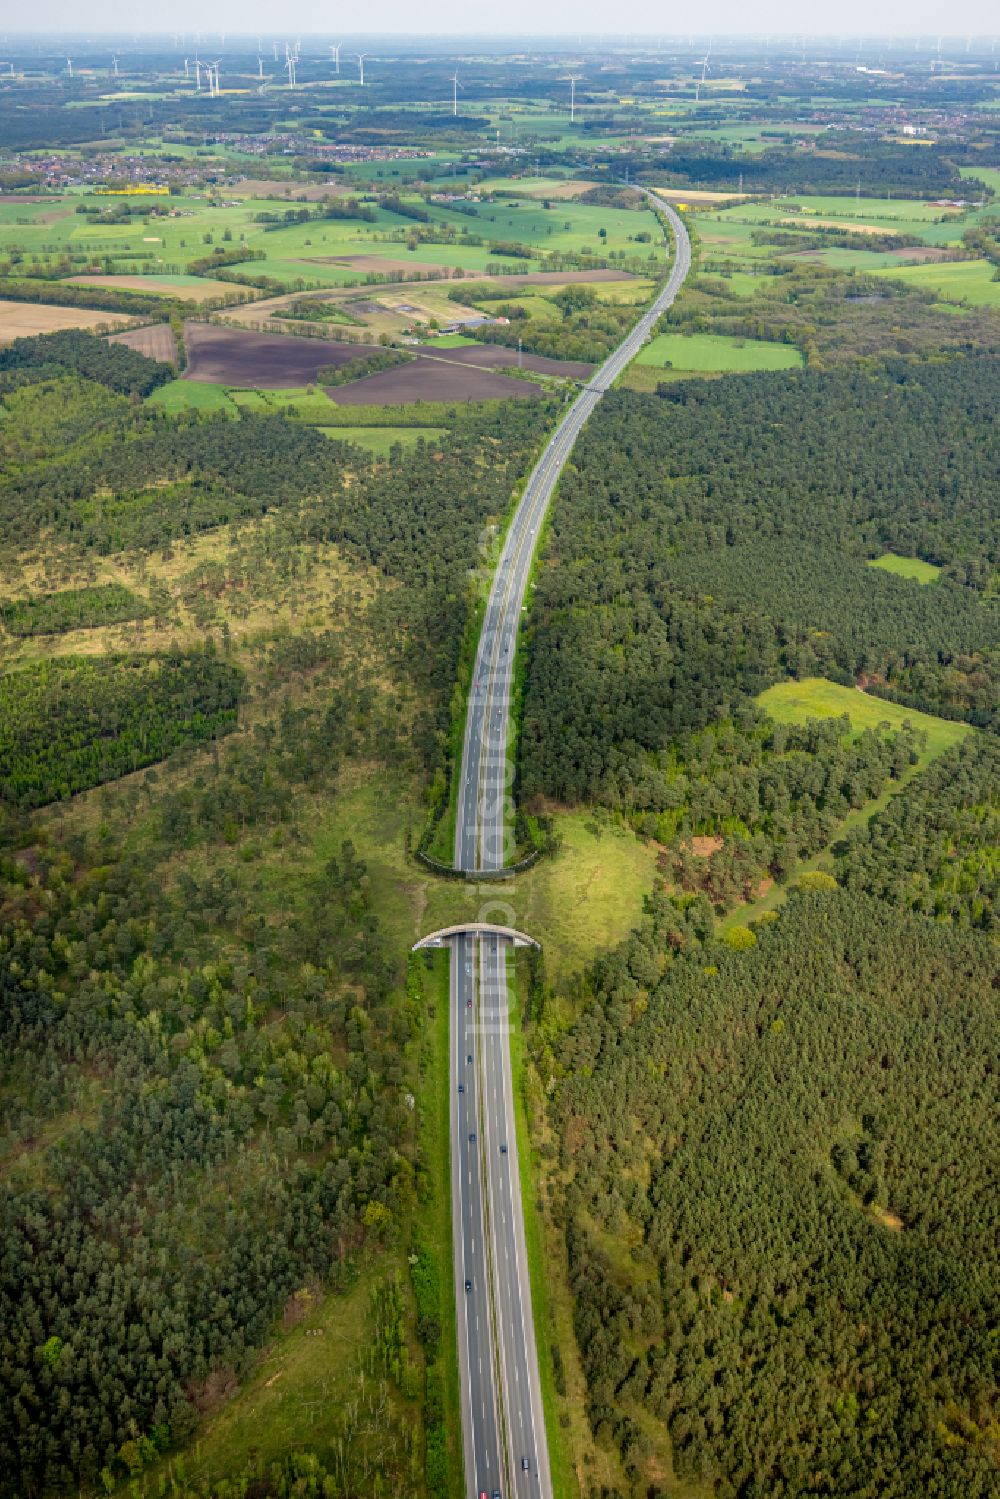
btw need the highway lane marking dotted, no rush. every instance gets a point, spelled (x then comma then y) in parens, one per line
(482, 761)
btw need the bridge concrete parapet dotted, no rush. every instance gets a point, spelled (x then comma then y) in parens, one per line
(475, 929)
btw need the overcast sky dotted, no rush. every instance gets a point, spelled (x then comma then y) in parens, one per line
(649, 17)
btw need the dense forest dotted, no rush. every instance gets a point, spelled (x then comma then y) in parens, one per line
(935, 849)
(780, 1161)
(182, 1108)
(774, 1141)
(74, 352)
(884, 167)
(713, 538)
(72, 723)
(761, 796)
(71, 609)
(188, 1057)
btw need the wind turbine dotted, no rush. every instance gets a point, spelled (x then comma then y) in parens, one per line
(573, 79)
(197, 74)
(260, 67)
(361, 66)
(213, 78)
(455, 86)
(187, 75)
(114, 66)
(701, 82)
(335, 54)
(69, 66)
(290, 69)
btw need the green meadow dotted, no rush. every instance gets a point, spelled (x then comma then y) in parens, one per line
(972, 281)
(710, 353)
(907, 567)
(815, 697)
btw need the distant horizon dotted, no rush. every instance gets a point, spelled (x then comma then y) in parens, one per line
(629, 37)
(868, 20)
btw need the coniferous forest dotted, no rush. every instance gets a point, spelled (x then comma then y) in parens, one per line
(775, 1140)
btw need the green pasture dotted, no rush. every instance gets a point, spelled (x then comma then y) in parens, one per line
(312, 272)
(744, 283)
(404, 170)
(468, 257)
(706, 353)
(853, 260)
(866, 209)
(744, 138)
(534, 187)
(191, 395)
(304, 404)
(723, 235)
(989, 175)
(13, 213)
(932, 224)
(956, 280)
(814, 697)
(907, 567)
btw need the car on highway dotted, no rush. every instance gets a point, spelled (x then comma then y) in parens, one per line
(468, 1285)
(468, 1058)
(525, 1465)
(468, 1004)
(472, 1138)
(503, 1150)
(461, 1087)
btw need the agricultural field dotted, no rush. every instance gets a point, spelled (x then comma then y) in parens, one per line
(24, 319)
(156, 341)
(185, 288)
(152, 248)
(556, 188)
(497, 356)
(972, 281)
(238, 356)
(710, 353)
(428, 379)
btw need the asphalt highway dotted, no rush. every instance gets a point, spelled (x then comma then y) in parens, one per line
(505, 1449)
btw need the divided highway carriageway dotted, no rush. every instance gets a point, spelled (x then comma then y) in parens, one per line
(503, 1428)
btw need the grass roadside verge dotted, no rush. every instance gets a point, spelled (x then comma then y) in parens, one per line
(564, 1482)
(431, 1267)
(438, 839)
